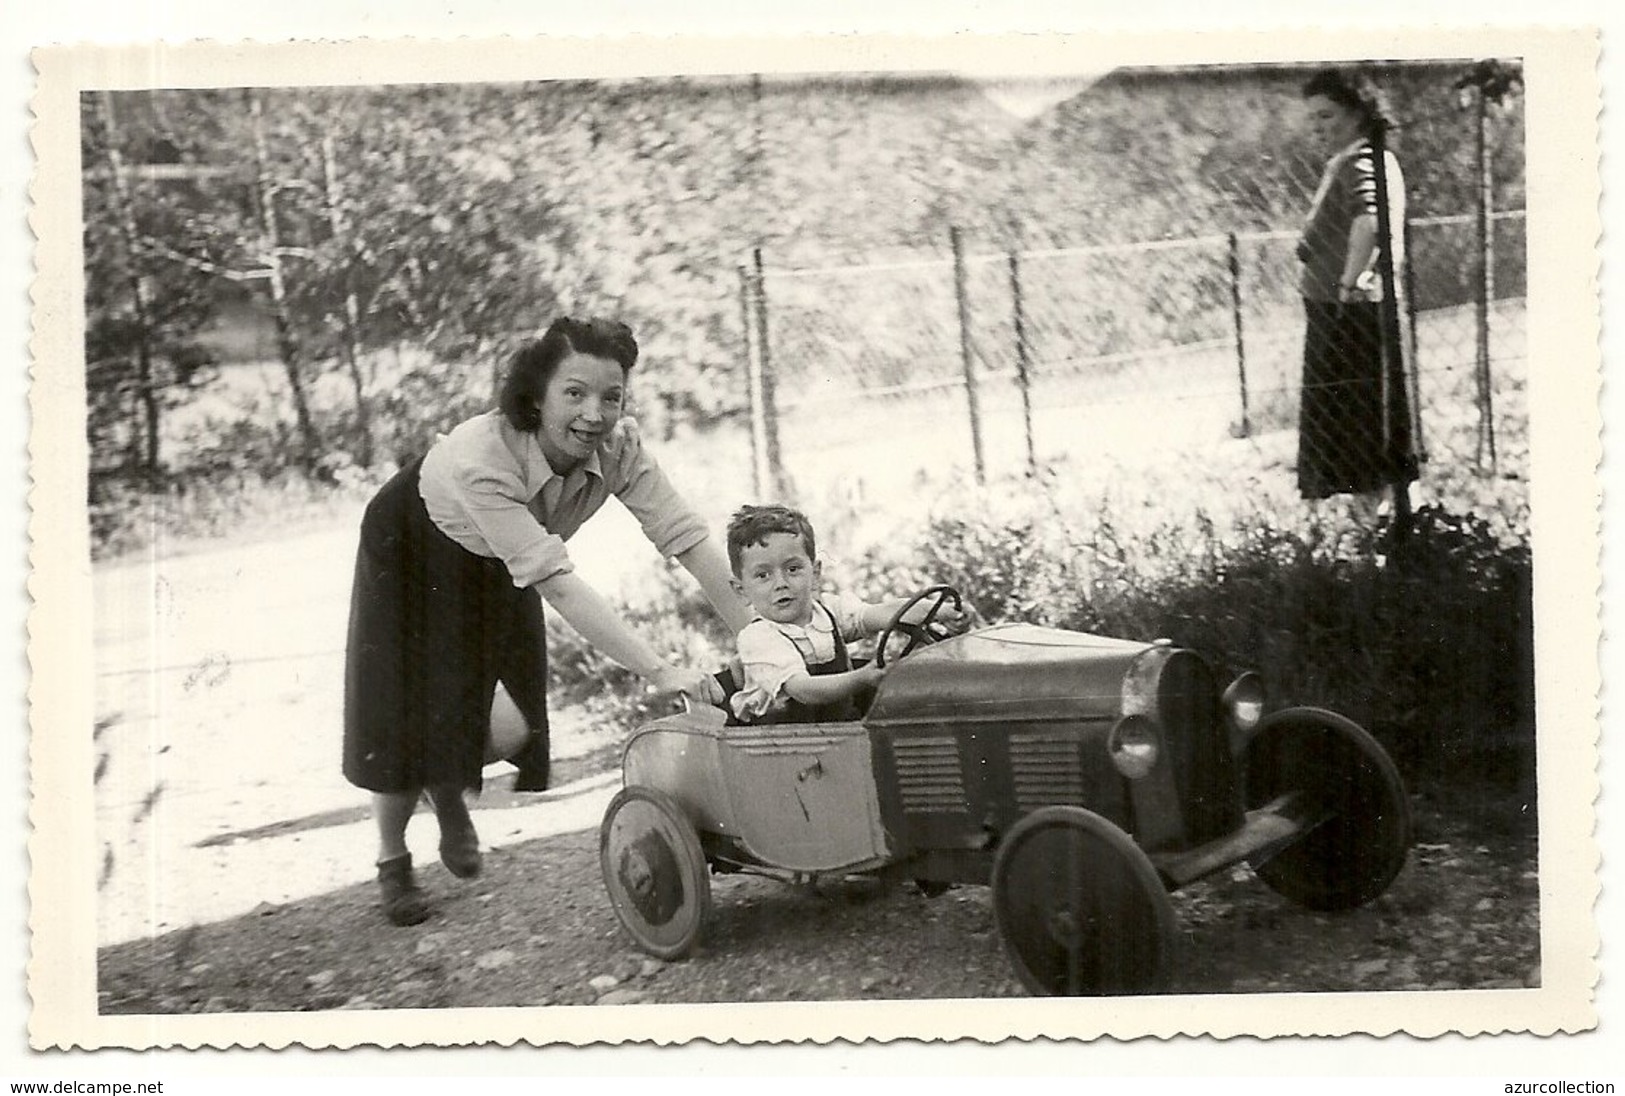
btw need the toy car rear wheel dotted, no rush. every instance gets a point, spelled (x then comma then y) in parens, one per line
(655, 871)
(1079, 907)
(1342, 775)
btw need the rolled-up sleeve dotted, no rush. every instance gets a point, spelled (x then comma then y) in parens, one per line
(667, 520)
(491, 499)
(770, 659)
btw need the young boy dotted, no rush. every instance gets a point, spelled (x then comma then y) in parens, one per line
(794, 653)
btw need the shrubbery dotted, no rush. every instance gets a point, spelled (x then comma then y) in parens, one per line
(129, 515)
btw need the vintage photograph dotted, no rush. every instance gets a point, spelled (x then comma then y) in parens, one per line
(560, 539)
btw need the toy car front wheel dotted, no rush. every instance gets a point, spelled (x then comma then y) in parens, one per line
(1348, 789)
(1079, 907)
(654, 871)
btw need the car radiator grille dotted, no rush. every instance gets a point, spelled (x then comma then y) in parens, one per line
(1045, 769)
(928, 774)
(1198, 749)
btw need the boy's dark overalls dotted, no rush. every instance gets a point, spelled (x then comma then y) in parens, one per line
(836, 711)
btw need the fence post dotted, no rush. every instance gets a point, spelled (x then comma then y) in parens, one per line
(767, 390)
(1393, 348)
(1413, 364)
(1241, 341)
(966, 358)
(1486, 289)
(1410, 295)
(1023, 376)
(753, 388)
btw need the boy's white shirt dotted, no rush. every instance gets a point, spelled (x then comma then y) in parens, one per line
(773, 653)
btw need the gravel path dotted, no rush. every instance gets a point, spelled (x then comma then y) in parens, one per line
(537, 929)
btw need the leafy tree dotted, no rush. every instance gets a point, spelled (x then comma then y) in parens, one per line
(407, 237)
(143, 311)
(420, 221)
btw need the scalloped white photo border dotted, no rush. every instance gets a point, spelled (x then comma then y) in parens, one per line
(1562, 102)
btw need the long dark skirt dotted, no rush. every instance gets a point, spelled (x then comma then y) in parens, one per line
(1354, 430)
(433, 628)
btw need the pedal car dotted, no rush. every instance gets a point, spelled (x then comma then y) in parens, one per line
(1082, 777)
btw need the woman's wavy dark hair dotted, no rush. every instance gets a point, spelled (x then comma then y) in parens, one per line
(1355, 91)
(532, 365)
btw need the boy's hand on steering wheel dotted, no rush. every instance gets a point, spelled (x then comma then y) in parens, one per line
(954, 620)
(951, 620)
(870, 674)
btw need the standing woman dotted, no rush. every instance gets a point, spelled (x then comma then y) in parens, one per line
(457, 553)
(1355, 431)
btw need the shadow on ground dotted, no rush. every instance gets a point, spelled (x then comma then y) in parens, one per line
(537, 929)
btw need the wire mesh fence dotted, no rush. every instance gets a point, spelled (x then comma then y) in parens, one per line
(995, 358)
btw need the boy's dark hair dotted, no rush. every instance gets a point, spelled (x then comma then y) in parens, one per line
(1356, 91)
(753, 524)
(533, 364)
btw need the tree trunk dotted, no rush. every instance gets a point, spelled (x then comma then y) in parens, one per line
(287, 337)
(350, 318)
(129, 232)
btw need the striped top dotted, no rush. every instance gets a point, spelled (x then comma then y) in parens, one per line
(1347, 191)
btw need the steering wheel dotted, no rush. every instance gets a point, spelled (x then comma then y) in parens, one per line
(919, 633)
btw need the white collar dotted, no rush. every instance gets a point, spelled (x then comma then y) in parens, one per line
(823, 622)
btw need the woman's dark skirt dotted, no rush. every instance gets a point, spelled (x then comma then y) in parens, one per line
(1354, 429)
(433, 628)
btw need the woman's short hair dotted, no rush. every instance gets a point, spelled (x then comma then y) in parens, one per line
(1356, 91)
(532, 365)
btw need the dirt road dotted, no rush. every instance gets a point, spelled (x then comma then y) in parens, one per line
(219, 692)
(537, 929)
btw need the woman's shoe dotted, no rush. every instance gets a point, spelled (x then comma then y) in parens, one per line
(403, 903)
(534, 765)
(459, 841)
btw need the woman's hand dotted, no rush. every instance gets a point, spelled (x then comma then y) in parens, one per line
(1359, 289)
(697, 685)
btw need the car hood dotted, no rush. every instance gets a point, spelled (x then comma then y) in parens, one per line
(1008, 672)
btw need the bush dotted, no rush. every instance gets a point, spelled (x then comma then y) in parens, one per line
(128, 513)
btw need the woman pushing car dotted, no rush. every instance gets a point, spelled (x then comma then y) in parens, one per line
(457, 553)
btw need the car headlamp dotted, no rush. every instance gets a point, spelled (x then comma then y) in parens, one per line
(1134, 746)
(1243, 702)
